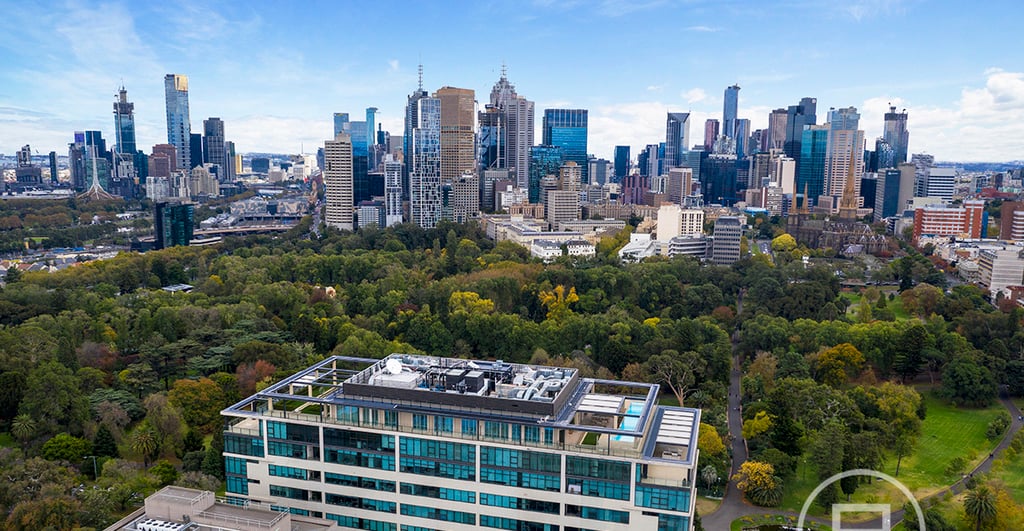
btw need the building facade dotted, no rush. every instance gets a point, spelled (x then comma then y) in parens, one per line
(726, 246)
(417, 442)
(338, 182)
(967, 221)
(214, 148)
(677, 138)
(179, 126)
(567, 128)
(896, 135)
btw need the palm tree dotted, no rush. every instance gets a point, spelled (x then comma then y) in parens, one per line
(709, 475)
(23, 427)
(143, 441)
(980, 504)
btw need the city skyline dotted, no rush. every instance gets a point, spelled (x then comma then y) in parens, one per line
(965, 99)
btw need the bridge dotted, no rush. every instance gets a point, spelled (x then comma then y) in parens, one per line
(248, 229)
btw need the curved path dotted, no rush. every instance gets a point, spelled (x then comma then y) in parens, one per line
(733, 506)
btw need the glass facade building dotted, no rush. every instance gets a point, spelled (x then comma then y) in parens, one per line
(811, 165)
(567, 129)
(416, 442)
(544, 161)
(179, 126)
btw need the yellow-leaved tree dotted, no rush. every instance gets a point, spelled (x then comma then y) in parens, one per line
(557, 301)
(759, 483)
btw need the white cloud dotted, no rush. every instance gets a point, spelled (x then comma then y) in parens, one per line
(985, 124)
(393, 65)
(655, 88)
(703, 29)
(694, 95)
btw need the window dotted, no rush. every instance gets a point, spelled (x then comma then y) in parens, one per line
(359, 481)
(495, 430)
(391, 419)
(531, 434)
(235, 465)
(359, 440)
(237, 485)
(469, 427)
(451, 451)
(287, 472)
(358, 458)
(360, 523)
(419, 422)
(597, 513)
(443, 424)
(441, 493)
(513, 524)
(438, 514)
(349, 414)
(290, 492)
(241, 444)
(662, 498)
(369, 416)
(522, 504)
(360, 503)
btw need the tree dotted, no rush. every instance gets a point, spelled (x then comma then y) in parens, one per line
(980, 505)
(557, 302)
(709, 442)
(827, 454)
(783, 243)
(165, 472)
(52, 398)
(143, 441)
(23, 427)
(761, 423)
(65, 447)
(710, 476)
(678, 371)
(839, 364)
(965, 382)
(759, 483)
(13, 274)
(104, 444)
(199, 401)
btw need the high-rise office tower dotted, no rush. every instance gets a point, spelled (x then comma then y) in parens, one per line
(730, 107)
(124, 124)
(544, 161)
(885, 156)
(811, 164)
(53, 167)
(740, 137)
(845, 142)
(412, 116)
(728, 235)
(76, 161)
(465, 197)
(567, 128)
(711, 127)
(563, 202)
(179, 127)
(621, 162)
(234, 161)
(677, 138)
(775, 135)
(424, 157)
(896, 134)
(458, 149)
(341, 123)
(507, 131)
(195, 150)
(647, 160)
(173, 223)
(797, 117)
(163, 161)
(392, 191)
(214, 148)
(338, 182)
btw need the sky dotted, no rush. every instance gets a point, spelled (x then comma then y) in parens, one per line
(275, 72)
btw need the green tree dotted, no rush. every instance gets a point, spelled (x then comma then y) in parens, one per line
(164, 471)
(759, 483)
(104, 444)
(65, 447)
(965, 382)
(23, 427)
(980, 505)
(52, 398)
(199, 401)
(143, 441)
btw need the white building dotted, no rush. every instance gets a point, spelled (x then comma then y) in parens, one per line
(580, 248)
(421, 442)
(640, 246)
(546, 250)
(338, 182)
(392, 191)
(998, 268)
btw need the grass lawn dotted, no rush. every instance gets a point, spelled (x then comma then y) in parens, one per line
(590, 438)
(945, 433)
(1011, 474)
(770, 519)
(706, 506)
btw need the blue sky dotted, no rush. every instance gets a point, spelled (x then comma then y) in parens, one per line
(276, 71)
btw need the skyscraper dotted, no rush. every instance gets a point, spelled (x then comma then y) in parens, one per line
(845, 142)
(710, 134)
(195, 150)
(775, 135)
(174, 223)
(214, 148)
(741, 134)
(341, 123)
(567, 128)
(179, 127)
(797, 117)
(677, 138)
(544, 161)
(621, 162)
(896, 134)
(124, 124)
(338, 182)
(412, 116)
(730, 106)
(424, 157)
(458, 149)
(392, 191)
(506, 131)
(811, 165)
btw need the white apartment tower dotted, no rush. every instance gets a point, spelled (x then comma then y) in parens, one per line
(421, 442)
(338, 182)
(392, 190)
